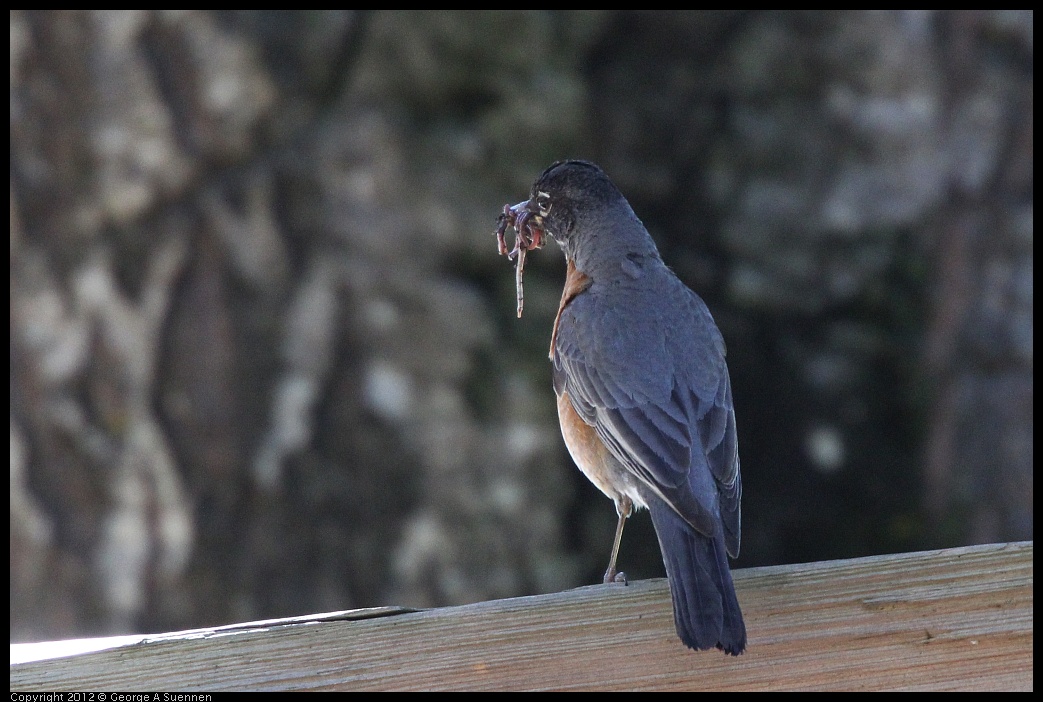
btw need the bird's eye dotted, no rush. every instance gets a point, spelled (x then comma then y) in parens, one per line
(543, 202)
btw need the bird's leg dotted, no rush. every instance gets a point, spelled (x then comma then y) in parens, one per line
(623, 508)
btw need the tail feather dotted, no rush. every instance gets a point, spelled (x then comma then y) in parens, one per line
(706, 611)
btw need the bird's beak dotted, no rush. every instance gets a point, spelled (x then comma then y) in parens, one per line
(525, 206)
(528, 214)
(529, 210)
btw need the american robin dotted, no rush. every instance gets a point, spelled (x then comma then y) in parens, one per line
(644, 397)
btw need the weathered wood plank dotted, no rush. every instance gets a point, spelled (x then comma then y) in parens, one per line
(956, 619)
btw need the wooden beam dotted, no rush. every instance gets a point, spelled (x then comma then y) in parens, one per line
(955, 619)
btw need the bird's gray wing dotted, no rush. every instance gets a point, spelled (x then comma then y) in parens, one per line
(656, 391)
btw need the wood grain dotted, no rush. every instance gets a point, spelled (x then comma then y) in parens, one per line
(956, 619)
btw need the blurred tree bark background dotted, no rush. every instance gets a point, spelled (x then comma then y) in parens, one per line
(264, 358)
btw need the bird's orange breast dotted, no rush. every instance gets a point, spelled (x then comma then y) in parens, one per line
(576, 281)
(587, 450)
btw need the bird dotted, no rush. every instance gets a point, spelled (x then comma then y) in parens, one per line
(643, 392)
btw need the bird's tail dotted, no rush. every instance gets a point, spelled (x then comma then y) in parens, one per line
(706, 611)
